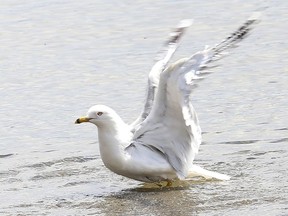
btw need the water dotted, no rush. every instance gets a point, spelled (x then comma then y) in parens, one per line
(60, 57)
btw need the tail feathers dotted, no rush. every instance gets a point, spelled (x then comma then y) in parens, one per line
(196, 171)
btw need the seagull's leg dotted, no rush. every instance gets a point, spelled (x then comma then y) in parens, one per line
(169, 183)
(159, 185)
(162, 185)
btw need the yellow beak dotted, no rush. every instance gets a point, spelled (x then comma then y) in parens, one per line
(82, 119)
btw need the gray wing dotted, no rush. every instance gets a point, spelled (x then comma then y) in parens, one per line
(216, 52)
(172, 126)
(162, 59)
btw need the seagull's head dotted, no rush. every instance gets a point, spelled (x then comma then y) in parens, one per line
(99, 115)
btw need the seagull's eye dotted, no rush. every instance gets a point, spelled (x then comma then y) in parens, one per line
(99, 113)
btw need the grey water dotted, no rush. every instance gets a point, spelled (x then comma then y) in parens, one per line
(60, 57)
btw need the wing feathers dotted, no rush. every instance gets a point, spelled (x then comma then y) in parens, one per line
(162, 59)
(234, 38)
(171, 124)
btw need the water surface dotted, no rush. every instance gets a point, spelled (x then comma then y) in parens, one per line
(60, 57)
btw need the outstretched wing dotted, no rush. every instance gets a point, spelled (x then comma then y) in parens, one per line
(162, 60)
(172, 127)
(238, 35)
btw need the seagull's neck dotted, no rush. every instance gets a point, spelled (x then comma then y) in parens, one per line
(114, 136)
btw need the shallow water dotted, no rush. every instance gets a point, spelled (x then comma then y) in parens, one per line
(60, 57)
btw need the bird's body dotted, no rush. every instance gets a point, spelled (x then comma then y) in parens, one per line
(162, 143)
(121, 156)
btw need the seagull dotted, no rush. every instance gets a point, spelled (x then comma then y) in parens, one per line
(161, 144)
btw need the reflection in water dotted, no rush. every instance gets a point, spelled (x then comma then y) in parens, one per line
(144, 200)
(76, 183)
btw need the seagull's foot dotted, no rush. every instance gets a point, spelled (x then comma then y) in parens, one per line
(164, 184)
(169, 183)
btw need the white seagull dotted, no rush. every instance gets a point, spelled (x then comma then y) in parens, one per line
(163, 141)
